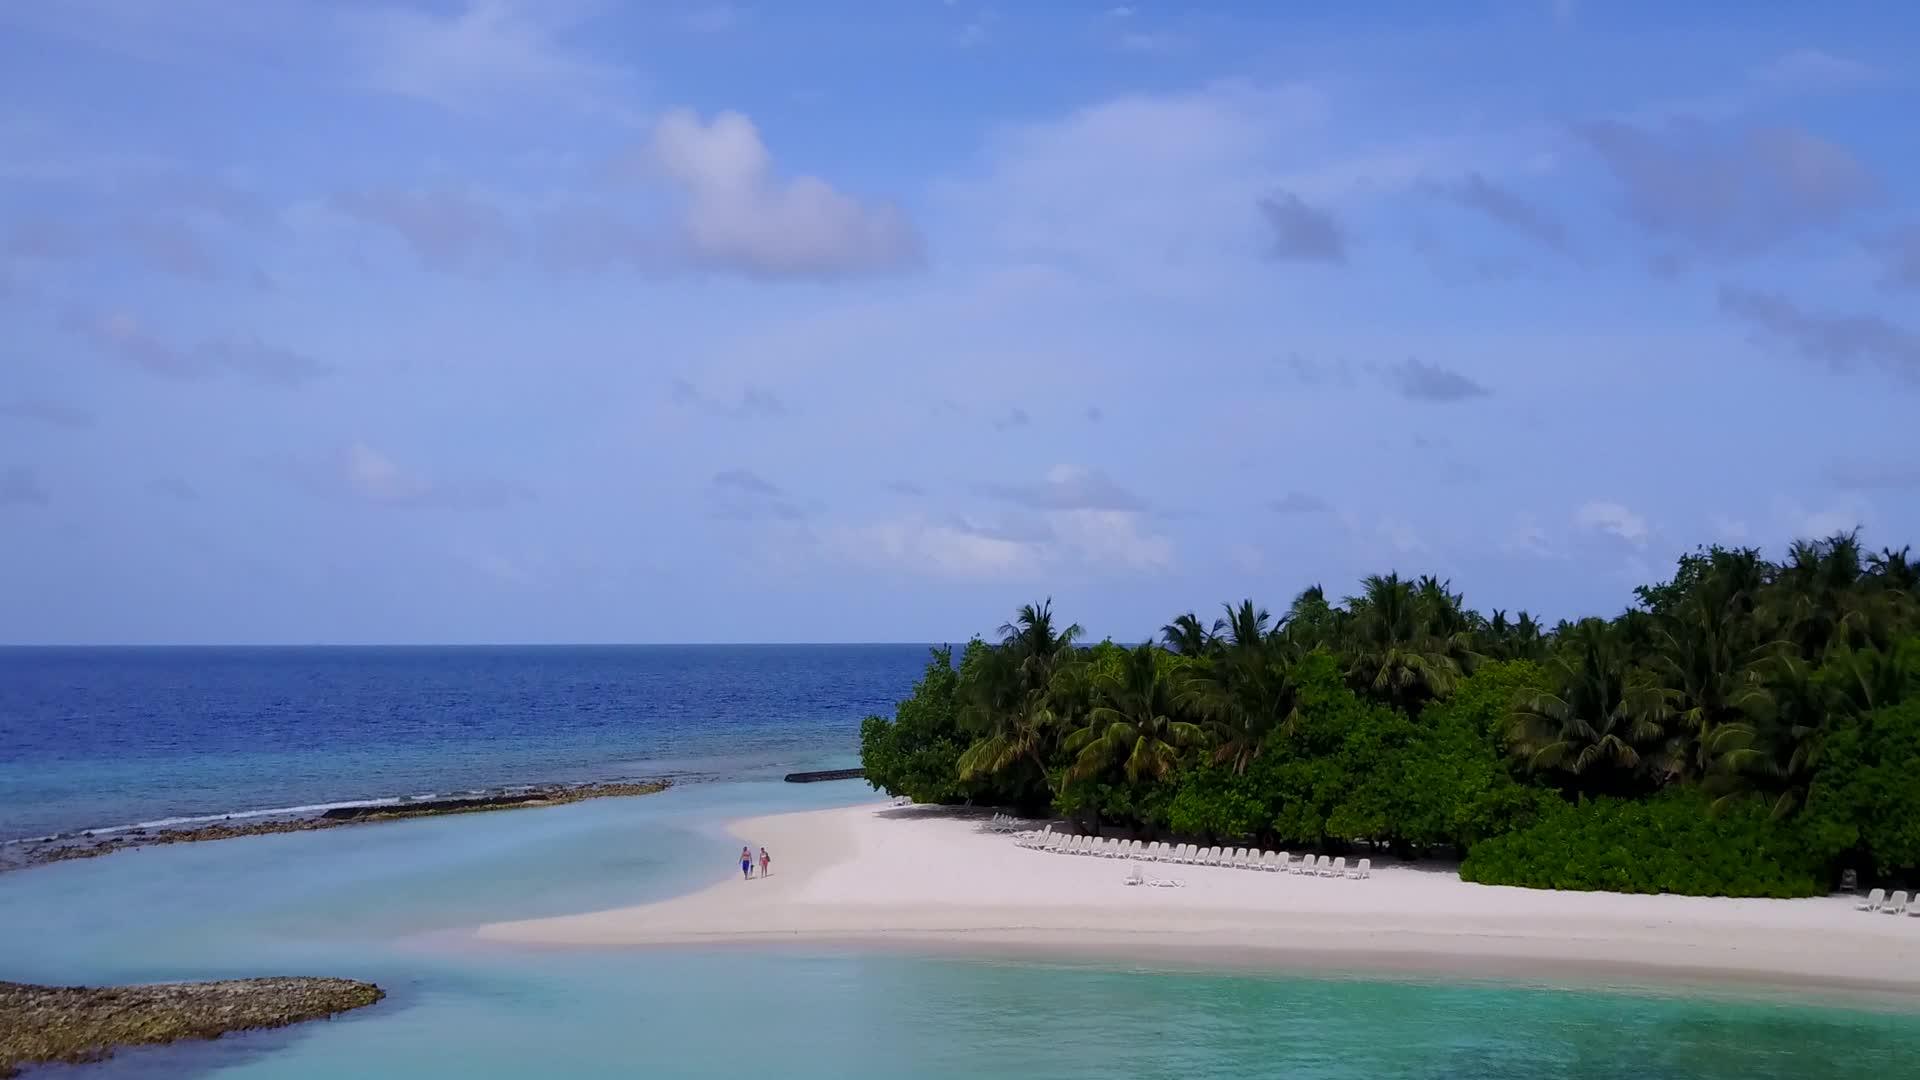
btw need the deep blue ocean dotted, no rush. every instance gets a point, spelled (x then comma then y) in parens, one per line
(95, 738)
(102, 736)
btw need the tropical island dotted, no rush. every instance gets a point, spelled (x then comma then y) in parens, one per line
(1668, 795)
(1747, 728)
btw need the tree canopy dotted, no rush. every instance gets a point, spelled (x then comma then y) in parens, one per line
(1757, 722)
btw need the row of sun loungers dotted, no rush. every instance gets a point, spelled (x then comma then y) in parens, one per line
(1004, 823)
(1193, 855)
(1879, 901)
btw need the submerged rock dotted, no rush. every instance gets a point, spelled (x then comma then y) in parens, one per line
(40, 1024)
(87, 845)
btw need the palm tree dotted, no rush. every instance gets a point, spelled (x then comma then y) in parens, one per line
(1245, 696)
(1706, 656)
(1245, 627)
(1037, 649)
(1395, 653)
(1817, 598)
(1136, 721)
(1895, 570)
(1013, 736)
(1773, 750)
(1602, 727)
(1311, 622)
(1186, 636)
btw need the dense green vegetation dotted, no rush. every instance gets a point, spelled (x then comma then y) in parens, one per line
(1747, 727)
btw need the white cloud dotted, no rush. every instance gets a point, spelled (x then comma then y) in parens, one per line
(1727, 529)
(487, 51)
(359, 472)
(712, 19)
(1400, 536)
(1075, 522)
(1613, 519)
(1816, 69)
(738, 215)
(374, 477)
(1528, 538)
(1123, 182)
(937, 549)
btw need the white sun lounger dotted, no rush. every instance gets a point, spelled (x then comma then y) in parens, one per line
(1873, 901)
(1211, 858)
(1339, 867)
(1362, 869)
(1896, 903)
(1322, 865)
(1280, 860)
(1135, 877)
(1223, 856)
(1186, 854)
(1304, 866)
(1237, 858)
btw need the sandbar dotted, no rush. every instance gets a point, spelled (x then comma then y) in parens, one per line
(931, 879)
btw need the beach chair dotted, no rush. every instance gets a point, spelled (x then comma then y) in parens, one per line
(1183, 854)
(1896, 904)
(1280, 860)
(1251, 860)
(1236, 857)
(1339, 867)
(1874, 900)
(1321, 864)
(1362, 869)
(1271, 862)
(1134, 876)
(1157, 851)
(1218, 856)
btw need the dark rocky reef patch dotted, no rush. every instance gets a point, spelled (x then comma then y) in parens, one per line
(87, 846)
(43, 1024)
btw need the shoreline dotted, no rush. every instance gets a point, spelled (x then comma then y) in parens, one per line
(94, 843)
(928, 881)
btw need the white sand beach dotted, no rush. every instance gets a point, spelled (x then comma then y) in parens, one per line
(932, 879)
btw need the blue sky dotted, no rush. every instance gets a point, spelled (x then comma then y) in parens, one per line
(577, 321)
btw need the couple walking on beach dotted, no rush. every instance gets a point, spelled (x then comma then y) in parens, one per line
(746, 863)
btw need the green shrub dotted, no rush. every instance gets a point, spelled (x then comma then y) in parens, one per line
(1668, 844)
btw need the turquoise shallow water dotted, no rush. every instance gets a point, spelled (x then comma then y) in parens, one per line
(375, 902)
